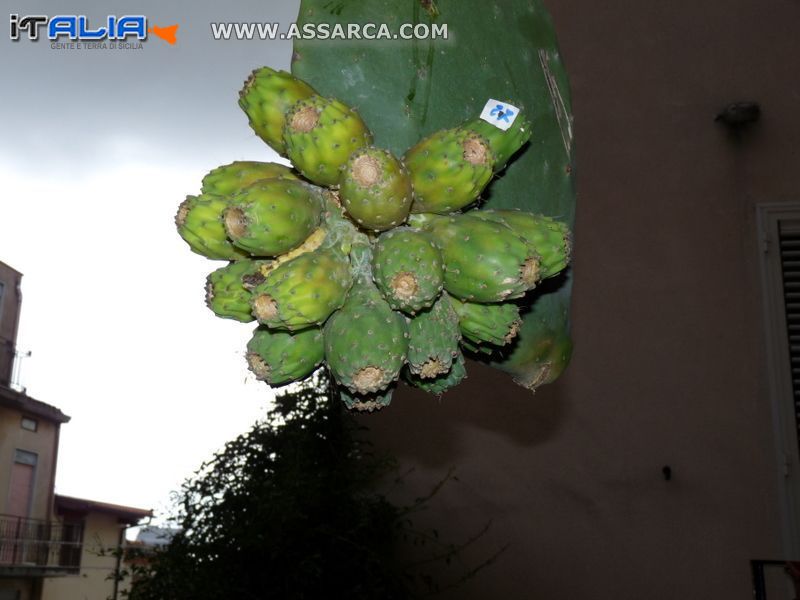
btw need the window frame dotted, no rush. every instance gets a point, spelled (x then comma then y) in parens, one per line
(2, 298)
(769, 218)
(31, 459)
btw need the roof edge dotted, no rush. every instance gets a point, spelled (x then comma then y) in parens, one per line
(8, 266)
(24, 403)
(130, 514)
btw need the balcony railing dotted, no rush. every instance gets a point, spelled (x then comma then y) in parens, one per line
(775, 579)
(32, 545)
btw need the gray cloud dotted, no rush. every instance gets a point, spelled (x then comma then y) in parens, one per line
(69, 108)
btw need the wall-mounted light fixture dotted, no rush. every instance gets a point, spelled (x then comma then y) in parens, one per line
(739, 114)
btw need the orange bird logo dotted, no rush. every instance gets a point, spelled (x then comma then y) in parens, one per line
(165, 33)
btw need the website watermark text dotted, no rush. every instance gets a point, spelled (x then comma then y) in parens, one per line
(326, 31)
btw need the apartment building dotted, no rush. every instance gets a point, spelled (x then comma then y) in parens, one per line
(52, 547)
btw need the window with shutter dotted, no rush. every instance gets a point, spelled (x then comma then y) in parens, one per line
(779, 230)
(789, 246)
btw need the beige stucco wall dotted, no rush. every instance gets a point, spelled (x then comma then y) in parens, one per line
(669, 363)
(100, 538)
(43, 443)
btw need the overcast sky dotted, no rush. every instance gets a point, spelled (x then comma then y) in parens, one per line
(98, 148)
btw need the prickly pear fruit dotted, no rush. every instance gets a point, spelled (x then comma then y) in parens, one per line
(408, 269)
(550, 238)
(280, 357)
(443, 382)
(366, 402)
(320, 135)
(304, 291)
(226, 294)
(550, 356)
(266, 97)
(544, 347)
(231, 179)
(484, 261)
(471, 346)
(449, 169)
(433, 337)
(495, 324)
(311, 243)
(273, 216)
(375, 189)
(199, 223)
(366, 341)
(504, 144)
(540, 177)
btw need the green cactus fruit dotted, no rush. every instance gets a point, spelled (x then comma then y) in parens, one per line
(280, 357)
(470, 346)
(313, 242)
(496, 324)
(504, 144)
(408, 269)
(366, 341)
(366, 402)
(420, 97)
(304, 291)
(484, 261)
(550, 238)
(231, 179)
(273, 216)
(443, 382)
(544, 347)
(226, 292)
(375, 189)
(266, 97)
(449, 169)
(320, 135)
(199, 223)
(549, 357)
(433, 337)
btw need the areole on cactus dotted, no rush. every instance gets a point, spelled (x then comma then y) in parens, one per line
(436, 84)
(397, 266)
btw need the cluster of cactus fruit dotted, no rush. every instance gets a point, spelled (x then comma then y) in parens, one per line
(370, 264)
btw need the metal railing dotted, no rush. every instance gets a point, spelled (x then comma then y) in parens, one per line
(782, 574)
(40, 545)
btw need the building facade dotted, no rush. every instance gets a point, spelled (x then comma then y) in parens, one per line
(51, 547)
(664, 462)
(101, 573)
(32, 544)
(29, 434)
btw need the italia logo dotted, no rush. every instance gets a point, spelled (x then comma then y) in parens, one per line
(78, 28)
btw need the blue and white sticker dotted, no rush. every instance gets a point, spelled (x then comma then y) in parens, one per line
(500, 114)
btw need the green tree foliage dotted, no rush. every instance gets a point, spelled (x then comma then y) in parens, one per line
(286, 510)
(291, 510)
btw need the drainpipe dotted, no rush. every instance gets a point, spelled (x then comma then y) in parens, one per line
(122, 531)
(52, 503)
(120, 550)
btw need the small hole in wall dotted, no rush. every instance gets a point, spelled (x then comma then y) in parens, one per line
(666, 471)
